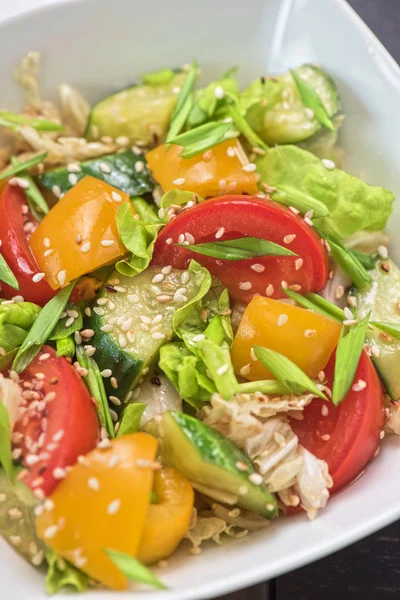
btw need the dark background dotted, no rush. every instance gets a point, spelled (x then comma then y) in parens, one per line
(370, 569)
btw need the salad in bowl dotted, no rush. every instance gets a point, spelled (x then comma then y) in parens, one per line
(200, 319)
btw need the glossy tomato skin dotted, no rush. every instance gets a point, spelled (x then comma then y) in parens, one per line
(16, 249)
(354, 426)
(59, 423)
(229, 217)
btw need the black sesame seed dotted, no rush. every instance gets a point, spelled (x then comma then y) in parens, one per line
(155, 380)
(111, 288)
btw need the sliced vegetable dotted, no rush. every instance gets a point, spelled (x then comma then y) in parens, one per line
(353, 204)
(23, 166)
(183, 102)
(80, 231)
(13, 120)
(41, 329)
(277, 111)
(15, 248)
(306, 338)
(346, 436)
(239, 249)
(37, 204)
(140, 113)
(349, 263)
(110, 487)
(203, 138)
(209, 459)
(61, 413)
(312, 101)
(318, 304)
(168, 519)
(66, 346)
(69, 322)
(133, 569)
(135, 318)
(127, 171)
(240, 216)
(224, 168)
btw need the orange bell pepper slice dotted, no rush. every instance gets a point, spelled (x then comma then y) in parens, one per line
(102, 503)
(168, 520)
(306, 338)
(220, 170)
(80, 233)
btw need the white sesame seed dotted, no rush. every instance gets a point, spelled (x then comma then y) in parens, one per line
(107, 243)
(98, 310)
(382, 435)
(169, 241)
(38, 277)
(157, 335)
(243, 490)
(309, 113)
(179, 298)
(294, 210)
(122, 341)
(223, 369)
(59, 435)
(48, 252)
(85, 247)
(179, 181)
(73, 168)
(114, 383)
(104, 167)
(114, 507)
(256, 478)
(46, 243)
(309, 214)
(31, 460)
(231, 151)
(69, 322)
(324, 410)
(189, 238)
(298, 264)
(50, 532)
(56, 190)
(310, 333)
(61, 276)
(328, 164)
(139, 166)
(245, 370)
(181, 238)
(116, 401)
(284, 284)
(3, 497)
(258, 268)
(295, 287)
(19, 182)
(222, 184)
(352, 301)
(73, 178)
(347, 313)
(245, 285)
(339, 292)
(269, 290)
(376, 351)
(383, 251)
(250, 168)
(158, 278)
(288, 239)
(59, 473)
(94, 484)
(220, 232)
(359, 385)
(219, 92)
(282, 319)
(349, 322)
(308, 221)
(326, 437)
(253, 354)
(107, 328)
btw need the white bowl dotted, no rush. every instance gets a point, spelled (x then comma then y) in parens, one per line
(101, 46)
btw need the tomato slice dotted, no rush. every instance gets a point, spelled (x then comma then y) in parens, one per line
(240, 216)
(59, 422)
(353, 427)
(16, 227)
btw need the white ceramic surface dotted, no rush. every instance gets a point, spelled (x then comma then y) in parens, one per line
(100, 46)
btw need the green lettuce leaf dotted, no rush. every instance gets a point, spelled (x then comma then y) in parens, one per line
(212, 99)
(61, 574)
(353, 204)
(60, 331)
(15, 322)
(138, 237)
(130, 421)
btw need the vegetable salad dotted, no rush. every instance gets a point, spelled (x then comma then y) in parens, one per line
(200, 320)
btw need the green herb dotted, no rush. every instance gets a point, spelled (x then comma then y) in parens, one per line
(318, 304)
(265, 386)
(201, 138)
(353, 205)
(138, 237)
(42, 328)
(15, 321)
(133, 569)
(130, 421)
(158, 77)
(183, 103)
(61, 574)
(246, 130)
(239, 249)
(65, 346)
(145, 210)
(349, 263)
(5, 441)
(348, 354)
(311, 99)
(37, 203)
(367, 261)
(213, 99)
(94, 383)
(23, 166)
(7, 275)
(392, 329)
(303, 202)
(13, 121)
(287, 372)
(178, 198)
(60, 331)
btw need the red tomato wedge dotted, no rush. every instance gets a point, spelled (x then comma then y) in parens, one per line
(16, 226)
(230, 217)
(354, 426)
(59, 423)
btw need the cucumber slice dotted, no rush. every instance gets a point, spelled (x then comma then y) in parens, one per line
(123, 174)
(382, 300)
(136, 324)
(17, 518)
(141, 112)
(287, 121)
(207, 457)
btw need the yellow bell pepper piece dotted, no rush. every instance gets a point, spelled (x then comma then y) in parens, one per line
(168, 520)
(80, 233)
(306, 338)
(220, 170)
(102, 503)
